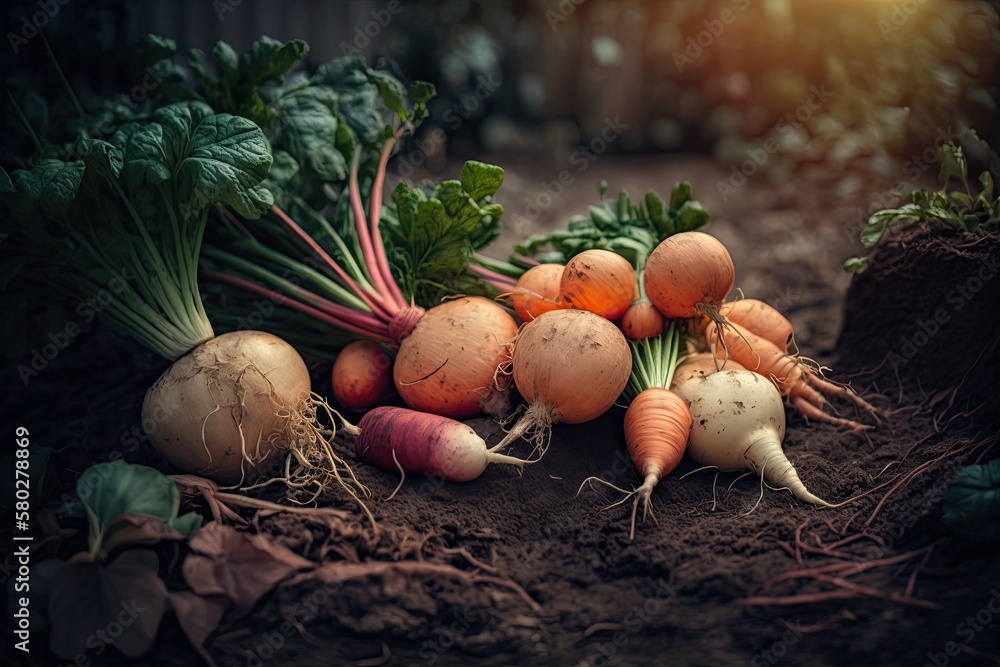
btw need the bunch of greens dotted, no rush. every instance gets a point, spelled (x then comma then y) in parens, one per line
(120, 222)
(972, 502)
(956, 208)
(632, 230)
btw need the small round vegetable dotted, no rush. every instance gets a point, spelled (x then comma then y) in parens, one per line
(688, 275)
(394, 438)
(362, 375)
(570, 366)
(537, 291)
(642, 320)
(230, 406)
(738, 424)
(600, 281)
(697, 366)
(448, 362)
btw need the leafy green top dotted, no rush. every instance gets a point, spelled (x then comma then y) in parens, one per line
(629, 229)
(960, 209)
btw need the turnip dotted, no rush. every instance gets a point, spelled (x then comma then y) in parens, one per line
(739, 424)
(570, 366)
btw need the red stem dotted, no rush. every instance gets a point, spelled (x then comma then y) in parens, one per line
(382, 263)
(334, 314)
(364, 238)
(498, 280)
(373, 301)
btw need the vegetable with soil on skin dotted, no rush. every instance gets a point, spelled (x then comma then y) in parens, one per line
(570, 366)
(398, 439)
(445, 356)
(362, 375)
(689, 275)
(599, 281)
(801, 384)
(134, 209)
(739, 424)
(537, 291)
(699, 365)
(657, 422)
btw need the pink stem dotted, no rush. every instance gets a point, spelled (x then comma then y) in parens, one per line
(373, 301)
(376, 215)
(361, 225)
(498, 280)
(338, 316)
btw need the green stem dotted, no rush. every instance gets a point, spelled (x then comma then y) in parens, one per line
(65, 82)
(27, 125)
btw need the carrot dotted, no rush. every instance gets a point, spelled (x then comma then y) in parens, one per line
(600, 281)
(760, 318)
(361, 376)
(800, 384)
(570, 365)
(657, 421)
(397, 439)
(537, 291)
(738, 424)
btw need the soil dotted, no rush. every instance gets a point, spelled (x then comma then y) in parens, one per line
(682, 592)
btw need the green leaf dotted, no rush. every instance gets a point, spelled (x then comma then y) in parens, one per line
(270, 59)
(691, 216)
(481, 180)
(51, 185)
(953, 164)
(5, 183)
(111, 491)
(657, 208)
(856, 264)
(228, 62)
(309, 134)
(680, 194)
(986, 181)
(154, 48)
(972, 502)
(105, 158)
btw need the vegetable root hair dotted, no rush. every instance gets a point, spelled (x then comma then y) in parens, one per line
(535, 426)
(314, 463)
(642, 493)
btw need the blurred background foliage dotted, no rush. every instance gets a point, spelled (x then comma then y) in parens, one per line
(525, 76)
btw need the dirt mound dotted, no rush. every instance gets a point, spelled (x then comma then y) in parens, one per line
(923, 314)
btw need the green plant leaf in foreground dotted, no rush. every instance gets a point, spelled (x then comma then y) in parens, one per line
(114, 494)
(972, 502)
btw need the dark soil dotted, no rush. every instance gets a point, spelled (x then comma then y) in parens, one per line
(671, 596)
(933, 327)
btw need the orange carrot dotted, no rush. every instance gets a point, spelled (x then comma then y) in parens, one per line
(800, 384)
(657, 422)
(760, 318)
